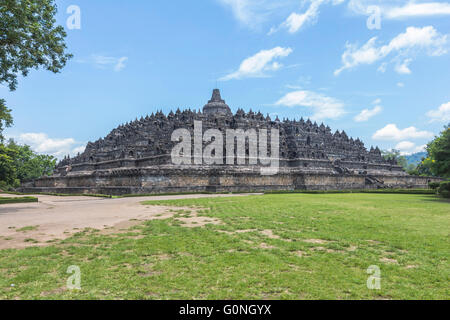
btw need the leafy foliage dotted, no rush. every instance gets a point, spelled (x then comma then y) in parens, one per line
(434, 185)
(423, 169)
(29, 38)
(395, 156)
(6, 119)
(438, 161)
(19, 163)
(7, 169)
(29, 164)
(415, 164)
(444, 189)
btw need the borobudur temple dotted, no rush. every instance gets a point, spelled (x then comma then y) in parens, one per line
(136, 158)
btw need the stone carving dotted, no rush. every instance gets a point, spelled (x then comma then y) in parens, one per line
(150, 136)
(135, 158)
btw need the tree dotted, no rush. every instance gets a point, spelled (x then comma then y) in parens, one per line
(7, 168)
(6, 119)
(411, 168)
(19, 163)
(423, 168)
(29, 38)
(30, 165)
(438, 160)
(395, 155)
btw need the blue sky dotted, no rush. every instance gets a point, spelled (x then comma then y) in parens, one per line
(377, 69)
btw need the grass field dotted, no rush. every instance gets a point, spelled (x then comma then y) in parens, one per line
(280, 246)
(9, 200)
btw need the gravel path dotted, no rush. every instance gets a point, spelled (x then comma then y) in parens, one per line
(56, 217)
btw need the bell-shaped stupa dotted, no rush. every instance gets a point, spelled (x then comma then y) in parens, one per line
(216, 105)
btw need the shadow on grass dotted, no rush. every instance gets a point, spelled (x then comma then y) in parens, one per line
(435, 198)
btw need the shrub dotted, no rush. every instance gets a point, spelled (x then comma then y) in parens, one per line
(444, 189)
(434, 185)
(16, 183)
(5, 186)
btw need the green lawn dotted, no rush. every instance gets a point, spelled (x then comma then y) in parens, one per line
(9, 200)
(280, 246)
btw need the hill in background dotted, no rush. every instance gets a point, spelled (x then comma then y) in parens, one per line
(415, 158)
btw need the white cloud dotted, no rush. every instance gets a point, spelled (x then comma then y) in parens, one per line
(241, 9)
(252, 13)
(442, 114)
(77, 150)
(120, 64)
(397, 9)
(366, 114)
(408, 147)
(421, 148)
(392, 132)
(41, 143)
(324, 107)
(418, 10)
(403, 68)
(400, 84)
(377, 101)
(105, 62)
(297, 21)
(405, 145)
(412, 41)
(256, 66)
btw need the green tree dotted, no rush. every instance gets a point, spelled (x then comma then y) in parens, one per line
(438, 160)
(411, 168)
(424, 168)
(6, 119)
(30, 165)
(8, 172)
(19, 163)
(29, 38)
(395, 155)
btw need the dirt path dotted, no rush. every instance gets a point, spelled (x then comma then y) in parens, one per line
(30, 224)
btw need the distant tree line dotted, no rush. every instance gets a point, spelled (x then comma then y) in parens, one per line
(436, 162)
(395, 155)
(19, 163)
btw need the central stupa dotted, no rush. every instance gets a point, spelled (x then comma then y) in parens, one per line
(217, 105)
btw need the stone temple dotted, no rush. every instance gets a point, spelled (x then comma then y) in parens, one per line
(135, 158)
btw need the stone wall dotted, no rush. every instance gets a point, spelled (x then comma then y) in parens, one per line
(243, 179)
